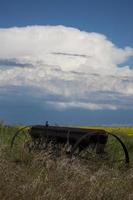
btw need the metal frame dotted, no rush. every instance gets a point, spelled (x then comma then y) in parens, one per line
(79, 140)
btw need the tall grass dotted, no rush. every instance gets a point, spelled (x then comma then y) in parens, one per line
(41, 176)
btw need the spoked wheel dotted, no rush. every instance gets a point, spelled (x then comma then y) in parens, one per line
(21, 140)
(115, 150)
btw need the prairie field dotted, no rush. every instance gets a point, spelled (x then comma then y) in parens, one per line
(39, 175)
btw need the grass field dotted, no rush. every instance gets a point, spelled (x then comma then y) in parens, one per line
(40, 175)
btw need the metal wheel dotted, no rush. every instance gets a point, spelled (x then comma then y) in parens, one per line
(115, 151)
(21, 139)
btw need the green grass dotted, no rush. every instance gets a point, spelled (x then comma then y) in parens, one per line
(40, 175)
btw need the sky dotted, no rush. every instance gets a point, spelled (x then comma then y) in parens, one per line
(68, 62)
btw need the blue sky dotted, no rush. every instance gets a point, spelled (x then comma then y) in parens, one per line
(111, 17)
(108, 23)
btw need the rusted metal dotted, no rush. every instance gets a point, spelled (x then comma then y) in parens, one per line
(76, 138)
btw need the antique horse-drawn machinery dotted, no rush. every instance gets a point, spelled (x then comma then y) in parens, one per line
(75, 141)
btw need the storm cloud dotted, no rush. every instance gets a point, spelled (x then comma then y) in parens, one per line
(66, 67)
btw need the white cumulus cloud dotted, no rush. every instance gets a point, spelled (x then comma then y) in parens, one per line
(72, 68)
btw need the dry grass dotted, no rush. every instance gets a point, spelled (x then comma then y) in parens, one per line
(61, 179)
(41, 176)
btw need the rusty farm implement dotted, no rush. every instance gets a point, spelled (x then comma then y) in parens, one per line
(75, 141)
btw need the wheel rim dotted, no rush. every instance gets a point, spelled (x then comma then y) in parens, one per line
(21, 138)
(115, 151)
